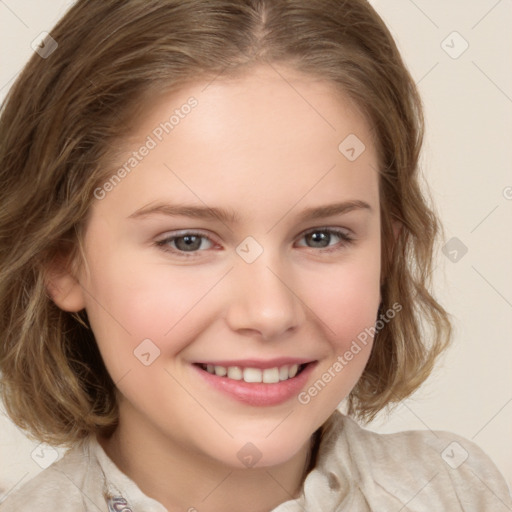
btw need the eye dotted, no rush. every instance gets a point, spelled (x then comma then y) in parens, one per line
(186, 242)
(326, 238)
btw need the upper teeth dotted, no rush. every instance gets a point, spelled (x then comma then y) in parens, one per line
(268, 375)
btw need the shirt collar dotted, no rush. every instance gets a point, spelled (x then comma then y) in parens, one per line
(120, 492)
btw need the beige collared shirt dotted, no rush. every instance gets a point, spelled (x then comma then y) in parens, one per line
(356, 471)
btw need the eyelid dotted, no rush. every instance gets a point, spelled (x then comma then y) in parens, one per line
(183, 232)
(333, 229)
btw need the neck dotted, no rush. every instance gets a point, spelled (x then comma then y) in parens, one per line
(181, 479)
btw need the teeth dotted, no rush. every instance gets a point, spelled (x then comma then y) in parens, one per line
(235, 373)
(220, 371)
(270, 375)
(253, 375)
(267, 376)
(283, 373)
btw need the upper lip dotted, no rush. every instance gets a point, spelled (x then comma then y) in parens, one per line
(259, 363)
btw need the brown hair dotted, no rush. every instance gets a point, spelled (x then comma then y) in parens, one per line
(64, 115)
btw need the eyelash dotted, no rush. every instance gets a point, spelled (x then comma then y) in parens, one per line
(346, 240)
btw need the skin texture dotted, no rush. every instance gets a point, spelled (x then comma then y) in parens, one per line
(267, 149)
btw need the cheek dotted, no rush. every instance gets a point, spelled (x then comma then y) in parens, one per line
(346, 299)
(347, 304)
(126, 307)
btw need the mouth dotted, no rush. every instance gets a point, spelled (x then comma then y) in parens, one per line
(257, 383)
(253, 374)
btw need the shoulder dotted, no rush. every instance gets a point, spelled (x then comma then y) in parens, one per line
(62, 486)
(428, 470)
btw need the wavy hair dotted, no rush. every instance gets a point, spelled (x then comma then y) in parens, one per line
(65, 115)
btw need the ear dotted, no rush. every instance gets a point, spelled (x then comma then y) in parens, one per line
(63, 287)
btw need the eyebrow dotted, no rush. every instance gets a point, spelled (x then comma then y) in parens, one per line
(231, 217)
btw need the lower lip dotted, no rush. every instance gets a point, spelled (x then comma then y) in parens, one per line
(258, 393)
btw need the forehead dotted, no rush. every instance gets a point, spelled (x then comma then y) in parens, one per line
(272, 135)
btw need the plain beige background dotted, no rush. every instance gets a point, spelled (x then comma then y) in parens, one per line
(459, 55)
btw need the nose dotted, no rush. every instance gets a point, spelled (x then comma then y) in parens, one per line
(263, 301)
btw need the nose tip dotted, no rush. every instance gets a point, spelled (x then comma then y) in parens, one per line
(263, 303)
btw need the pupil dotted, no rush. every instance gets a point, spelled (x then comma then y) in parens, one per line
(188, 242)
(319, 239)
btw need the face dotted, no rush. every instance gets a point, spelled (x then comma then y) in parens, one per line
(244, 240)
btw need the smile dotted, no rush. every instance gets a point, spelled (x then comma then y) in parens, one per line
(257, 383)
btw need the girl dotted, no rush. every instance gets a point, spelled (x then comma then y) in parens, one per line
(212, 234)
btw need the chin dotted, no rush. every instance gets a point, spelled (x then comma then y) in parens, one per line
(268, 449)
